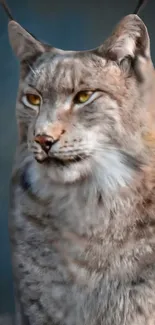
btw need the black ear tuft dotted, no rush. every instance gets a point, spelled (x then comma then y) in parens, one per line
(6, 9)
(141, 4)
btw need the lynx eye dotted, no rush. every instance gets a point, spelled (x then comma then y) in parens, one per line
(31, 100)
(82, 97)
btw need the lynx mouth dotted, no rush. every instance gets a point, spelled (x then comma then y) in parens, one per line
(60, 162)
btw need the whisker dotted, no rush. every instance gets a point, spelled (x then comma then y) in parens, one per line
(32, 70)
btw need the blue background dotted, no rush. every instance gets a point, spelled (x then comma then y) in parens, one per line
(75, 25)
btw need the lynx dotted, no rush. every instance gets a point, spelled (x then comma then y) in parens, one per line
(82, 223)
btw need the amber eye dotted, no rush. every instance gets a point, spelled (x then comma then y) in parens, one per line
(82, 97)
(33, 99)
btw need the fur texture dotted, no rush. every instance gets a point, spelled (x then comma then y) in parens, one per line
(82, 222)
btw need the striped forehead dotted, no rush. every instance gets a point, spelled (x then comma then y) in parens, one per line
(61, 72)
(58, 72)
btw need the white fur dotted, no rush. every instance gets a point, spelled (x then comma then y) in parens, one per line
(110, 171)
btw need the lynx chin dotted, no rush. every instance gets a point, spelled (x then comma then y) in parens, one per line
(82, 221)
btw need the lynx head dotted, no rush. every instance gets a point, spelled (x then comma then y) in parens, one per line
(83, 114)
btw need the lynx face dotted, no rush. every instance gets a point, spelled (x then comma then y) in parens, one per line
(83, 113)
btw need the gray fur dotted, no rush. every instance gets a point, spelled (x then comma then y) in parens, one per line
(82, 232)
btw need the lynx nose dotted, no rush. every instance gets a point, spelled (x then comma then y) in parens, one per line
(45, 142)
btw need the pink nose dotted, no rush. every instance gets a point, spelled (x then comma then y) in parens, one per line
(45, 142)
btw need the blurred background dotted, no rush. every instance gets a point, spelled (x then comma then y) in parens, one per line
(66, 24)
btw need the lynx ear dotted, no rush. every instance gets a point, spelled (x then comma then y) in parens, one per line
(130, 39)
(23, 43)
